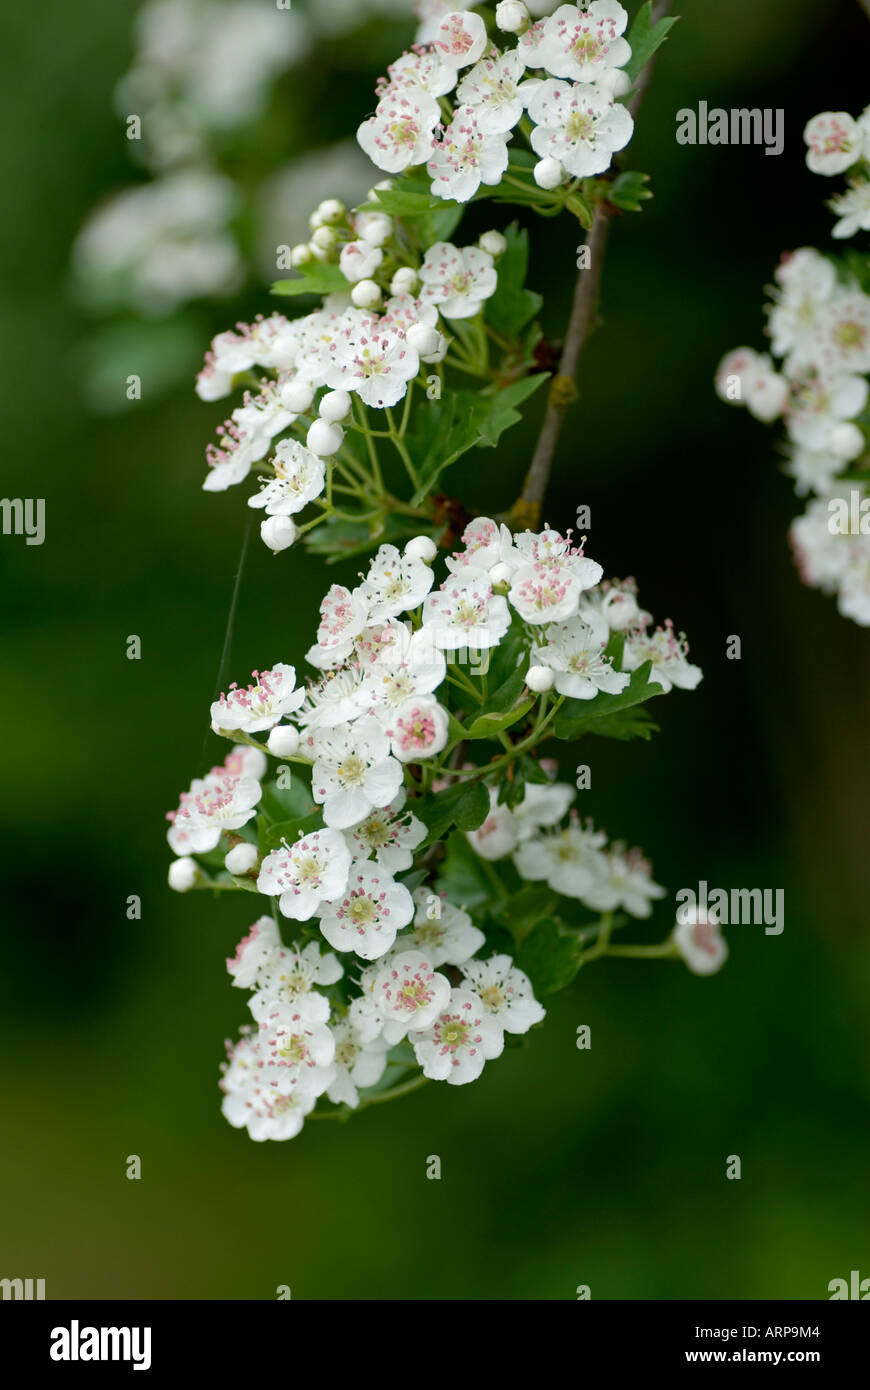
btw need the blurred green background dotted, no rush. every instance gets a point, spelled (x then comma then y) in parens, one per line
(560, 1167)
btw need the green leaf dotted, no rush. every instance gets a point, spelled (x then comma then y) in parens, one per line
(644, 38)
(411, 200)
(462, 876)
(522, 910)
(577, 717)
(625, 725)
(318, 278)
(465, 806)
(465, 420)
(491, 725)
(289, 830)
(628, 191)
(581, 209)
(512, 306)
(341, 540)
(549, 956)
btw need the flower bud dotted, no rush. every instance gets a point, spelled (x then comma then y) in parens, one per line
(540, 678)
(324, 438)
(325, 238)
(501, 573)
(331, 210)
(548, 173)
(278, 532)
(296, 396)
(283, 740)
(846, 441)
(301, 255)
(183, 874)
(385, 186)
(424, 339)
(404, 281)
(241, 859)
(335, 406)
(493, 243)
(373, 227)
(359, 260)
(421, 548)
(366, 294)
(511, 16)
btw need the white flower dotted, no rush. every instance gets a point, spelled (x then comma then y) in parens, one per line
(221, 801)
(667, 652)
(293, 971)
(375, 360)
(258, 706)
(458, 281)
(418, 729)
(498, 836)
(443, 932)
(843, 333)
(299, 478)
(579, 125)
(465, 612)
(806, 282)
(395, 583)
(408, 667)
(569, 860)
(359, 260)
(400, 133)
(461, 39)
(245, 438)
(307, 873)
(505, 993)
(421, 67)
(582, 44)
(491, 87)
(574, 650)
(834, 141)
(268, 342)
(343, 615)
(338, 698)
(465, 157)
(550, 577)
(358, 1063)
(460, 1041)
(409, 993)
(353, 771)
(254, 953)
(820, 403)
(296, 1046)
(251, 1102)
(486, 545)
(699, 940)
(543, 804)
(390, 834)
(624, 880)
(366, 916)
(853, 210)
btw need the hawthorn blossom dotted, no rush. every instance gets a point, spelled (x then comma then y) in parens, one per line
(458, 281)
(462, 1039)
(213, 804)
(343, 615)
(579, 125)
(252, 1103)
(260, 706)
(389, 833)
(550, 576)
(623, 880)
(486, 545)
(254, 953)
(505, 993)
(245, 438)
(367, 914)
(465, 612)
(353, 771)
(408, 667)
(358, 1063)
(820, 403)
(461, 39)
(359, 260)
(575, 651)
(492, 88)
(418, 729)
(311, 871)
(267, 342)
(293, 971)
(583, 44)
(299, 478)
(843, 333)
(834, 141)
(374, 360)
(395, 584)
(699, 940)
(443, 932)
(667, 651)
(400, 133)
(466, 156)
(498, 835)
(806, 282)
(409, 994)
(853, 209)
(421, 67)
(569, 860)
(336, 699)
(296, 1046)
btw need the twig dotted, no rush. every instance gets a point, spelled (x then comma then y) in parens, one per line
(562, 388)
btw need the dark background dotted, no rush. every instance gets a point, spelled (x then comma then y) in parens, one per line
(560, 1167)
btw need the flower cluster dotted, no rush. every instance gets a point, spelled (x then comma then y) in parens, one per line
(454, 103)
(372, 734)
(819, 329)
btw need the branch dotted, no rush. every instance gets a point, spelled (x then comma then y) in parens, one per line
(563, 390)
